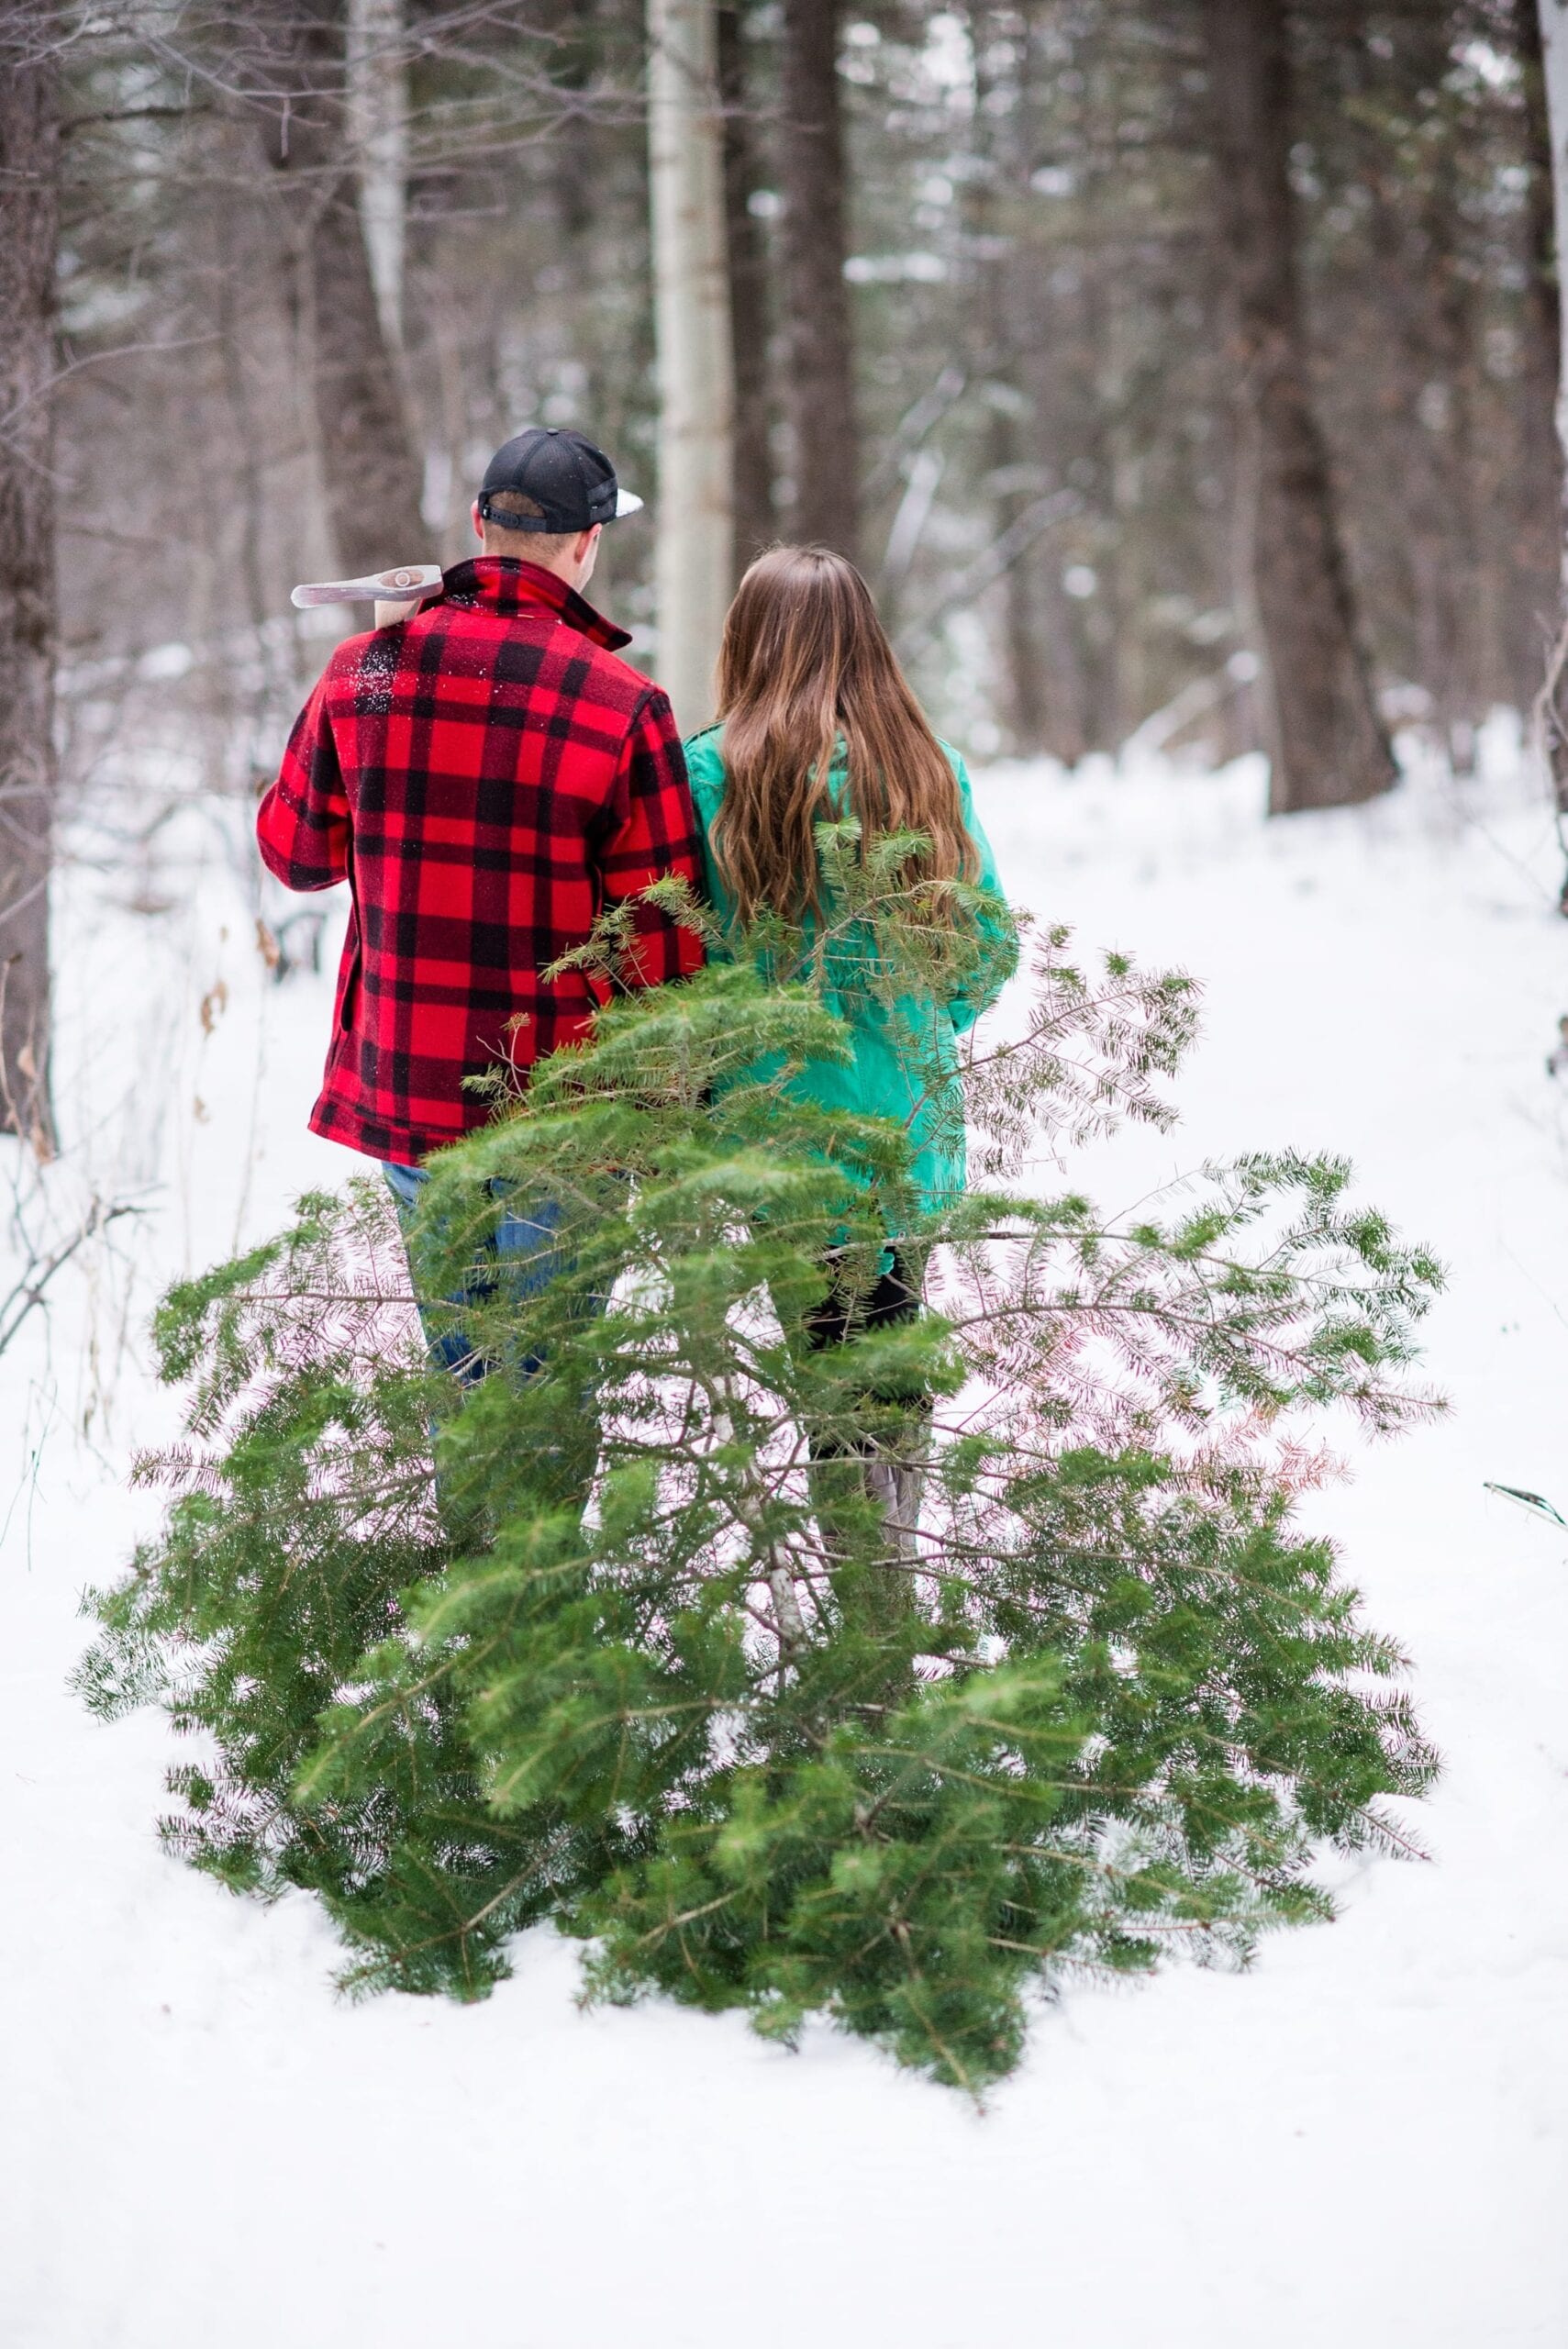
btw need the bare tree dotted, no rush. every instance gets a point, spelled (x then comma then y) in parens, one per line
(816, 247)
(1328, 745)
(695, 551)
(373, 472)
(30, 228)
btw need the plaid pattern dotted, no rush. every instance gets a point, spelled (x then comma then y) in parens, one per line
(486, 776)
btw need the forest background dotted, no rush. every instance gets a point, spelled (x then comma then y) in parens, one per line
(1181, 376)
(1151, 359)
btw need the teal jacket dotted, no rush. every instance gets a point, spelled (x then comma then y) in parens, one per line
(886, 1079)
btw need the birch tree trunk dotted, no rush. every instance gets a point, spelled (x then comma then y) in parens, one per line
(694, 553)
(30, 228)
(1327, 743)
(378, 125)
(816, 247)
(373, 476)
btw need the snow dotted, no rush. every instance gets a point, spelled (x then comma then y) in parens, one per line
(1360, 2141)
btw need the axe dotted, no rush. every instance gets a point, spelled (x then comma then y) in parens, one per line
(396, 593)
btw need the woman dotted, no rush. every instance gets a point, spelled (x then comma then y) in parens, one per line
(817, 724)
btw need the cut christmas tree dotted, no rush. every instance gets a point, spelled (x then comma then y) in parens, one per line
(876, 1667)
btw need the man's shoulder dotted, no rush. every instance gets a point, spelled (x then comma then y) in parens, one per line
(447, 651)
(611, 673)
(348, 656)
(368, 661)
(571, 660)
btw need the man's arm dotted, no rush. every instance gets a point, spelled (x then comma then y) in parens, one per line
(302, 825)
(651, 832)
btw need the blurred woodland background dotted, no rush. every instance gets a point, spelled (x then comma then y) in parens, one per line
(1179, 375)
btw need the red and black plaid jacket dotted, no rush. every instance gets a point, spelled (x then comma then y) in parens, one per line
(485, 776)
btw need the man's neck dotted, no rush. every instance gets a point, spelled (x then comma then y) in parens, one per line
(570, 573)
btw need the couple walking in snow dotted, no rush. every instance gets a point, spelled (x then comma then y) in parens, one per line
(491, 778)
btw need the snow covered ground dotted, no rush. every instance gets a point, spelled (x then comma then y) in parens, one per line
(1360, 2142)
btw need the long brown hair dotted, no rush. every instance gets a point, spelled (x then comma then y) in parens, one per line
(806, 664)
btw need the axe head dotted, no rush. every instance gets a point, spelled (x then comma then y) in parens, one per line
(406, 584)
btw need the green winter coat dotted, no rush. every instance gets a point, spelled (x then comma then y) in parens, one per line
(881, 1082)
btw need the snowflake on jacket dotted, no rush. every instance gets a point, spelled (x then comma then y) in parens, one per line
(486, 776)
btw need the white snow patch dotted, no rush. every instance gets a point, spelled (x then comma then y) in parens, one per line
(1360, 2142)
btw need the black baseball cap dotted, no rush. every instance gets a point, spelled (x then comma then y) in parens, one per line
(567, 477)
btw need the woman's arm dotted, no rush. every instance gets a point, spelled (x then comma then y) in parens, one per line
(998, 935)
(705, 770)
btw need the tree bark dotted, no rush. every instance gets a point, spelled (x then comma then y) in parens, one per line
(1543, 308)
(1327, 743)
(1414, 309)
(693, 552)
(821, 354)
(29, 231)
(1005, 151)
(754, 483)
(1551, 714)
(1554, 74)
(378, 120)
(372, 475)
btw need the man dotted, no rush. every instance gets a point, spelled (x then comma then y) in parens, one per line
(487, 776)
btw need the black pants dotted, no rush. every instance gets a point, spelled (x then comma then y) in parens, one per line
(844, 1312)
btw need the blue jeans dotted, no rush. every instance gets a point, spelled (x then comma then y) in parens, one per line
(526, 1260)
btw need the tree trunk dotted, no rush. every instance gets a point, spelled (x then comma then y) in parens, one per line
(1554, 73)
(694, 549)
(821, 357)
(378, 121)
(1413, 312)
(1009, 295)
(1545, 296)
(1439, 336)
(1329, 746)
(753, 487)
(373, 476)
(1538, 535)
(29, 228)
(1551, 710)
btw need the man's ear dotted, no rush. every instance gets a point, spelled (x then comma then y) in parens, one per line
(478, 524)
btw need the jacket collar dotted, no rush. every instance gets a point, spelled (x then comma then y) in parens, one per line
(502, 582)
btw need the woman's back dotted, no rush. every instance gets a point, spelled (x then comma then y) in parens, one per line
(817, 727)
(904, 1044)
